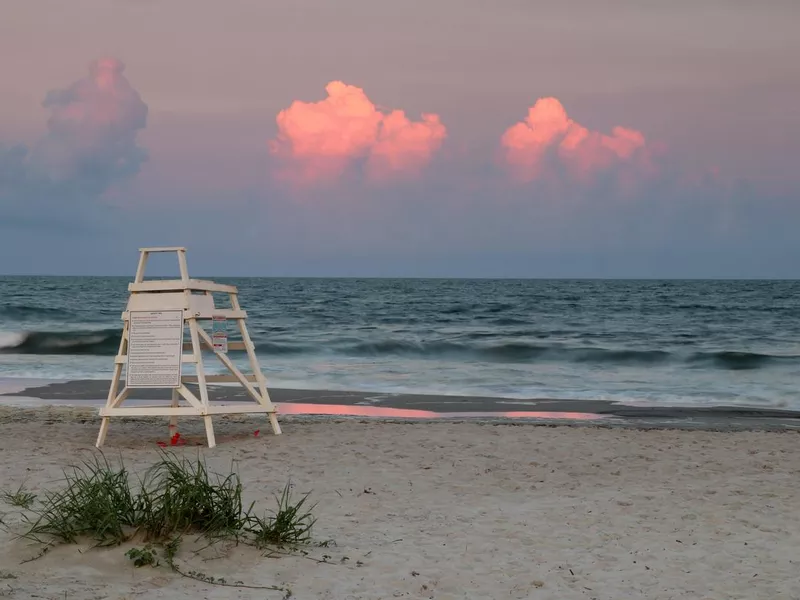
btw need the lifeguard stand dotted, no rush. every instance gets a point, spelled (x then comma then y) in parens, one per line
(152, 350)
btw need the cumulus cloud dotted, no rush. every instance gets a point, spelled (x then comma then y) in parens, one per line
(89, 146)
(549, 144)
(318, 141)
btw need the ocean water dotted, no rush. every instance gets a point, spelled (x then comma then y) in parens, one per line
(646, 342)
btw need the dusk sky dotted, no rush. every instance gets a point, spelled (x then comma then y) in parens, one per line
(450, 138)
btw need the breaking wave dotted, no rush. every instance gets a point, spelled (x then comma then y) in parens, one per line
(106, 342)
(98, 342)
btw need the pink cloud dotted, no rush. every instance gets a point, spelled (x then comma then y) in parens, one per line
(318, 141)
(548, 134)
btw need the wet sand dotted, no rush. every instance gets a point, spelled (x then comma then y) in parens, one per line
(431, 407)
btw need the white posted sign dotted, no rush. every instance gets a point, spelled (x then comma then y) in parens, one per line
(155, 349)
(219, 333)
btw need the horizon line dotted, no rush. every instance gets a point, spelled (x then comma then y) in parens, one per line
(427, 277)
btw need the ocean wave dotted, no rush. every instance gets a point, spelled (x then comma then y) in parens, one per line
(23, 312)
(473, 347)
(739, 361)
(97, 342)
(103, 342)
(506, 321)
(510, 352)
(276, 349)
(520, 352)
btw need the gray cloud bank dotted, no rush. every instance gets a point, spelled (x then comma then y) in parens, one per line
(90, 145)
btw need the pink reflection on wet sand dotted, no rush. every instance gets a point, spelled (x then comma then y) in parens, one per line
(292, 408)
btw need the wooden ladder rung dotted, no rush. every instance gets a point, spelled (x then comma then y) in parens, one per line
(231, 346)
(218, 379)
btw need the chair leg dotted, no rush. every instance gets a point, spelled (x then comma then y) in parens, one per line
(101, 437)
(210, 431)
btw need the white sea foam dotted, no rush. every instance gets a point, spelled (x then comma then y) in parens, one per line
(10, 339)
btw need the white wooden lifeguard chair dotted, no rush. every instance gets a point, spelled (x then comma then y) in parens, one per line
(152, 350)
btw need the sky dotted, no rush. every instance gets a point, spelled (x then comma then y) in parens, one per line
(456, 138)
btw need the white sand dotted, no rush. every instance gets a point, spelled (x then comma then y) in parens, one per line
(453, 511)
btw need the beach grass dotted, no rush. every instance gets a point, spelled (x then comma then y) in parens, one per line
(290, 524)
(97, 501)
(176, 496)
(21, 498)
(179, 496)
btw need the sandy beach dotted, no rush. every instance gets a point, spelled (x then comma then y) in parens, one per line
(446, 510)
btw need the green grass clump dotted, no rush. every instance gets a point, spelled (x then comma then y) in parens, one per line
(180, 496)
(290, 524)
(20, 498)
(97, 502)
(175, 497)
